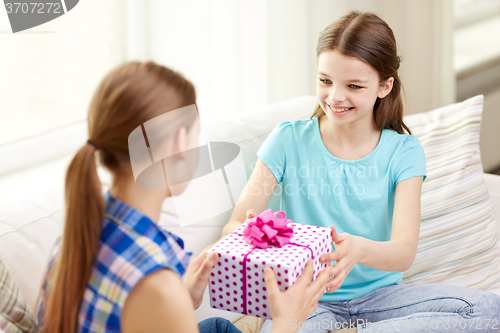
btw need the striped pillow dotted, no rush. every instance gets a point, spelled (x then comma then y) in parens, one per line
(15, 315)
(458, 242)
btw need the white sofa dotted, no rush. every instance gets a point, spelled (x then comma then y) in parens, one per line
(32, 217)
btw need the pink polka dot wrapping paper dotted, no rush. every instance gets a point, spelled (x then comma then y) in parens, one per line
(288, 262)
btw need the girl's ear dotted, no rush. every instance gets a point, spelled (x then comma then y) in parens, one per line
(180, 143)
(385, 88)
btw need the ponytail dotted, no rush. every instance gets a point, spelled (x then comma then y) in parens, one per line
(388, 111)
(80, 241)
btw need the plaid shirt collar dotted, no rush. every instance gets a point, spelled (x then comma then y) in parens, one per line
(118, 211)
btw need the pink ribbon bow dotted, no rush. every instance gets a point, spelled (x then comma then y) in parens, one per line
(266, 229)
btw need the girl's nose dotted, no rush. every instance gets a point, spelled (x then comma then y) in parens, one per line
(336, 95)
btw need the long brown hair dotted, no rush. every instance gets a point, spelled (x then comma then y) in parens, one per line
(127, 97)
(366, 37)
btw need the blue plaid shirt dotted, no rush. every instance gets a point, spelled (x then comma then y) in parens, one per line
(131, 247)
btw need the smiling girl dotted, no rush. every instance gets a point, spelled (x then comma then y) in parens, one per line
(366, 187)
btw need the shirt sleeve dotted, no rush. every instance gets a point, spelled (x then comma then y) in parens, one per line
(411, 160)
(273, 150)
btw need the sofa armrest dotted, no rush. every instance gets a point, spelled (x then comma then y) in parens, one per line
(493, 185)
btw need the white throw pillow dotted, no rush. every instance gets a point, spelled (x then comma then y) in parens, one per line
(458, 242)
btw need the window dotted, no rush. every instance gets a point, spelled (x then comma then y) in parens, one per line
(472, 11)
(476, 63)
(49, 73)
(476, 42)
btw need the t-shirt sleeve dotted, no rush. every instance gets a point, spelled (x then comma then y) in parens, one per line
(410, 160)
(273, 150)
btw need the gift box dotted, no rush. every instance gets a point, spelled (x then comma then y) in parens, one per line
(236, 282)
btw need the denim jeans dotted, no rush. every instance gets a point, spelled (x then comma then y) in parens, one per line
(411, 308)
(217, 325)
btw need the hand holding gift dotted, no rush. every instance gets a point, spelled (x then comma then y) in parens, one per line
(197, 275)
(237, 282)
(345, 255)
(300, 300)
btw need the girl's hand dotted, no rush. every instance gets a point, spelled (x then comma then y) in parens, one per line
(197, 274)
(346, 255)
(233, 225)
(250, 213)
(299, 301)
(198, 271)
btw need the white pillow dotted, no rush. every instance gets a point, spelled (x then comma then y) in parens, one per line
(458, 242)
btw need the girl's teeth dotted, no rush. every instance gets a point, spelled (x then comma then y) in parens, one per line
(340, 110)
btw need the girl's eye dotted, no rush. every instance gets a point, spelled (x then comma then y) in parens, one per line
(353, 86)
(325, 81)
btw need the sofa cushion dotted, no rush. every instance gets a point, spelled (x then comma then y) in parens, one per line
(458, 240)
(29, 226)
(15, 314)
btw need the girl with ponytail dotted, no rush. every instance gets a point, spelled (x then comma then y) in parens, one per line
(356, 168)
(115, 269)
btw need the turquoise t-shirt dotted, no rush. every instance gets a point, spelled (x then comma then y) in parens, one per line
(356, 197)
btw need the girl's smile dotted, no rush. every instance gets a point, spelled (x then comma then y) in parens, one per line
(339, 110)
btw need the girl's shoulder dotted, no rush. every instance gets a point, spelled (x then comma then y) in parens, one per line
(397, 139)
(399, 145)
(159, 300)
(406, 156)
(295, 127)
(298, 122)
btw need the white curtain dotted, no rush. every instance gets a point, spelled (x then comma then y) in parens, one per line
(221, 46)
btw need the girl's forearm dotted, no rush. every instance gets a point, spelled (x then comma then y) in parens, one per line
(281, 326)
(393, 256)
(230, 227)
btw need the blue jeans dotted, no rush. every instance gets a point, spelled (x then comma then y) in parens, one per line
(217, 325)
(411, 308)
